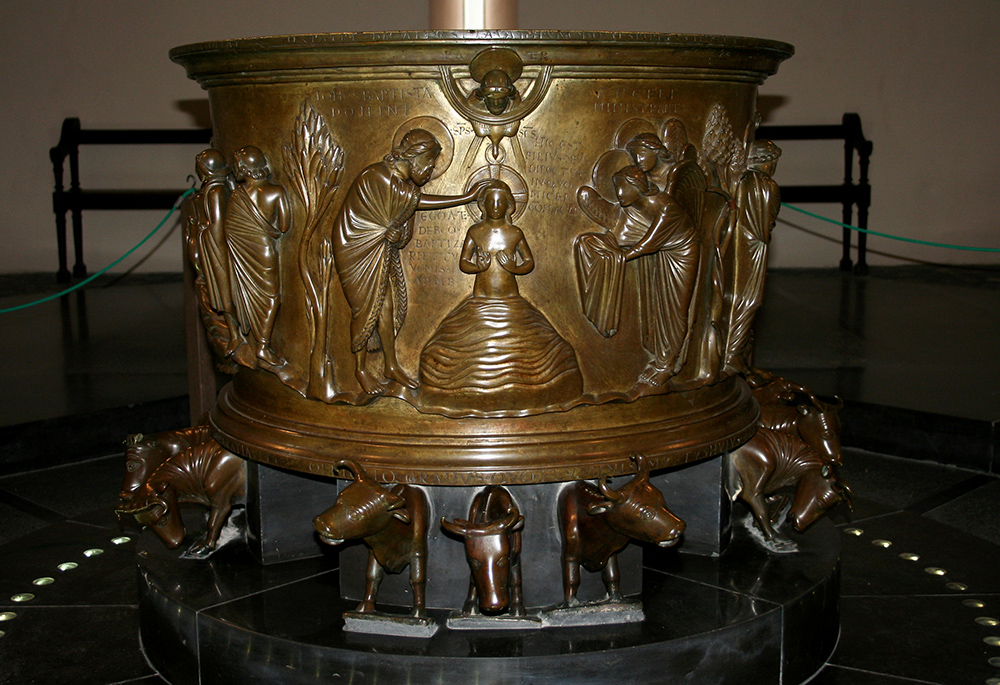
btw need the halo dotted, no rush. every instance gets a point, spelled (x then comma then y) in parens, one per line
(609, 163)
(504, 59)
(518, 188)
(436, 128)
(630, 129)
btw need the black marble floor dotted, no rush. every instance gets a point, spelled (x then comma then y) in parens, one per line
(911, 344)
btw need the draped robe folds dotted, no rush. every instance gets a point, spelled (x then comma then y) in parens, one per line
(367, 263)
(600, 274)
(254, 261)
(758, 202)
(667, 280)
(214, 252)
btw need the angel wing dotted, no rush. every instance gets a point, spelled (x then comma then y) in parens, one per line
(687, 185)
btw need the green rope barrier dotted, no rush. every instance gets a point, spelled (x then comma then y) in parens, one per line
(889, 235)
(110, 266)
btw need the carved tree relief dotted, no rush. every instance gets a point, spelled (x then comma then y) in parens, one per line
(314, 163)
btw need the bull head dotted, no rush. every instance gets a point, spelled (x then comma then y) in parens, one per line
(616, 496)
(489, 551)
(818, 491)
(637, 509)
(361, 509)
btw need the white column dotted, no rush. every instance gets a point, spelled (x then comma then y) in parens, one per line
(473, 14)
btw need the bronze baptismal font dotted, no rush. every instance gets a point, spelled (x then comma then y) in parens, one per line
(488, 300)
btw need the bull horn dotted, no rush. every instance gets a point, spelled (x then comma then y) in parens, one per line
(352, 467)
(510, 521)
(459, 527)
(133, 439)
(612, 495)
(838, 402)
(845, 492)
(641, 465)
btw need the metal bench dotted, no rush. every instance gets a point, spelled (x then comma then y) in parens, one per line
(849, 193)
(75, 199)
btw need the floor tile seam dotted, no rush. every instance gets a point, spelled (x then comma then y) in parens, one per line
(881, 673)
(779, 605)
(950, 494)
(21, 606)
(198, 612)
(30, 507)
(89, 460)
(873, 517)
(925, 595)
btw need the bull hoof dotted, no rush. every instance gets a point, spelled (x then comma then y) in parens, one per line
(199, 550)
(780, 545)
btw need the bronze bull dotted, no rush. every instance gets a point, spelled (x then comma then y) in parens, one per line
(166, 469)
(492, 537)
(392, 523)
(773, 460)
(597, 522)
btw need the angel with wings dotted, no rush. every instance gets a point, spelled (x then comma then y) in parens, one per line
(659, 229)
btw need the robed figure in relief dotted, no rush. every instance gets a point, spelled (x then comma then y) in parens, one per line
(206, 241)
(757, 204)
(374, 223)
(256, 216)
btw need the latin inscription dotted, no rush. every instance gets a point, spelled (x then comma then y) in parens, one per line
(657, 101)
(553, 170)
(373, 102)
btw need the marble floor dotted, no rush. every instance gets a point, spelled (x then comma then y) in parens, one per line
(913, 339)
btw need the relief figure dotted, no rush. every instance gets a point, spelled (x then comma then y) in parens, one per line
(374, 223)
(660, 232)
(207, 248)
(495, 107)
(495, 341)
(757, 204)
(256, 217)
(709, 208)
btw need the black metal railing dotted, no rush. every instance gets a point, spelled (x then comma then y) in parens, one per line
(75, 199)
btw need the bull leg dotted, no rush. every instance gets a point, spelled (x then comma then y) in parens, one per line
(471, 606)
(372, 580)
(762, 516)
(418, 583)
(753, 495)
(776, 503)
(612, 578)
(571, 581)
(516, 599)
(222, 505)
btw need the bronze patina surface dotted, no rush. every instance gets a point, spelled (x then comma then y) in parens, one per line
(484, 257)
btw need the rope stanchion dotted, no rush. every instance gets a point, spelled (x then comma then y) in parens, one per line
(110, 266)
(889, 235)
